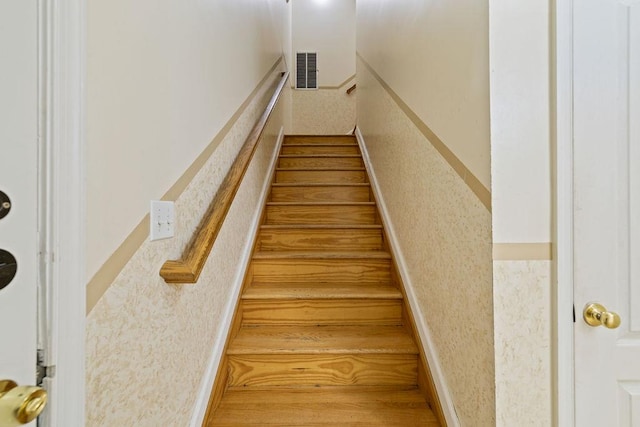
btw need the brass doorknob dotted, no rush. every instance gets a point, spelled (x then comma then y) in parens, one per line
(20, 404)
(596, 315)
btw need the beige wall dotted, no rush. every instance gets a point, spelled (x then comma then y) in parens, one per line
(520, 133)
(152, 348)
(444, 237)
(435, 56)
(163, 77)
(521, 200)
(423, 110)
(174, 88)
(327, 27)
(522, 335)
(323, 111)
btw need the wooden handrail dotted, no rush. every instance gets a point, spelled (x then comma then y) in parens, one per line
(187, 269)
(351, 89)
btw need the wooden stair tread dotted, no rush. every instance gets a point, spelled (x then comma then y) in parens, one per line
(321, 227)
(319, 148)
(315, 169)
(332, 406)
(343, 239)
(319, 156)
(308, 370)
(313, 184)
(321, 203)
(294, 138)
(318, 141)
(318, 290)
(321, 175)
(266, 255)
(314, 312)
(323, 270)
(321, 144)
(321, 212)
(322, 340)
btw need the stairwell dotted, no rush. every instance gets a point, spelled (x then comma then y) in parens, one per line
(322, 335)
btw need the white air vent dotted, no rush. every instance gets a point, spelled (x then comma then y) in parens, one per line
(306, 70)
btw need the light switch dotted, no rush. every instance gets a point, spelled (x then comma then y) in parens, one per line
(162, 220)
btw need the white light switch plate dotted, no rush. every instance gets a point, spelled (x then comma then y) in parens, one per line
(162, 220)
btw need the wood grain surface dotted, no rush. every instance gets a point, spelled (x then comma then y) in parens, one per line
(325, 336)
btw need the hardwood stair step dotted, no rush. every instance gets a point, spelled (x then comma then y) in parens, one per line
(320, 213)
(313, 370)
(346, 238)
(321, 161)
(320, 149)
(321, 176)
(350, 255)
(321, 269)
(334, 406)
(322, 227)
(323, 340)
(336, 311)
(325, 139)
(311, 192)
(314, 290)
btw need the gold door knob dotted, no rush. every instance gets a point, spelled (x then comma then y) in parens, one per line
(596, 315)
(20, 404)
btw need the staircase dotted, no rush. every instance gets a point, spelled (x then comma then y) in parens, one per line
(322, 335)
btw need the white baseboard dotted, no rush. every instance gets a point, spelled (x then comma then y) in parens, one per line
(433, 360)
(209, 376)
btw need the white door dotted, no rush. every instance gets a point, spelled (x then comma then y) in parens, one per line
(19, 181)
(606, 108)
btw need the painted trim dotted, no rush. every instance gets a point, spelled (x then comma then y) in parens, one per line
(105, 276)
(522, 251)
(206, 385)
(62, 59)
(344, 83)
(474, 184)
(439, 380)
(563, 357)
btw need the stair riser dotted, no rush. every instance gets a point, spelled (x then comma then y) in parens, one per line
(322, 312)
(323, 177)
(329, 370)
(318, 240)
(328, 214)
(321, 270)
(319, 162)
(340, 140)
(320, 149)
(317, 406)
(320, 194)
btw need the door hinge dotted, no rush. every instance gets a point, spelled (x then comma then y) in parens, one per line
(574, 313)
(43, 371)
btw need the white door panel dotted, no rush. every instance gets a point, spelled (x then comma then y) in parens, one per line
(18, 179)
(606, 110)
